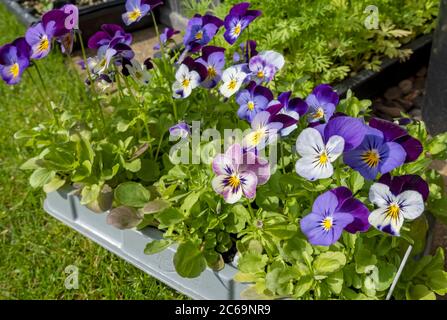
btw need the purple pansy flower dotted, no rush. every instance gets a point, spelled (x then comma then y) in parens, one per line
(293, 108)
(322, 102)
(247, 50)
(137, 9)
(181, 129)
(375, 155)
(394, 133)
(397, 201)
(14, 59)
(252, 100)
(167, 34)
(265, 65)
(237, 20)
(39, 37)
(332, 212)
(233, 179)
(264, 131)
(319, 147)
(213, 59)
(110, 35)
(200, 31)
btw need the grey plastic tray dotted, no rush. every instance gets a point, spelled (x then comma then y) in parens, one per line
(130, 244)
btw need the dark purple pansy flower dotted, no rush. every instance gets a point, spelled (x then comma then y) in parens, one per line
(248, 50)
(213, 59)
(252, 100)
(332, 212)
(375, 155)
(110, 35)
(322, 102)
(14, 59)
(394, 133)
(399, 184)
(293, 108)
(237, 20)
(200, 31)
(167, 34)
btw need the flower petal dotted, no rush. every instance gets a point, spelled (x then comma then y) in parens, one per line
(223, 165)
(308, 167)
(393, 156)
(352, 130)
(309, 143)
(325, 204)
(380, 195)
(359, 212)
(381, 221)
(335, 147)
(249, 182)
(411, 204)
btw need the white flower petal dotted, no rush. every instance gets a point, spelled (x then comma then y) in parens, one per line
(311, 169)
(182, 72)
(411, 204)
(383, 222)
(309, 143)
(335, 147)
(274, 58)
(380, 195)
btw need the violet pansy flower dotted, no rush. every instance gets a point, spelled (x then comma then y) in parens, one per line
(394, 206)
(213, 59)
(181, 129)
(265, 65)
(165, 36)
(39, 37)
(200, 31)
(264, 132)
(238, 20)
(232, 79)
(14, 59)
(332, 212)
(252, 100)
(109, 36)
(322, 102)
(319, 147)
(137, 9)
(233, 179)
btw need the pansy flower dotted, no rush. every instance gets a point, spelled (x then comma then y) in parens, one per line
(375, 155)
(200, 31)
(233, 179)
(14, 59)
(264, 132)
(181, 129)
(39, 37)
(252, 100)
(110, 35)
(232, 79)
(293, 108)
(137, 9)
(394, 133)
(237, 20)
(139, 72)
(322, 102)
(332, 212)
(320, 147)
(213, 59)
(188, 76)
(247, 50)
(394, 206)
(265, 65)
(165, 36)
(100, 63)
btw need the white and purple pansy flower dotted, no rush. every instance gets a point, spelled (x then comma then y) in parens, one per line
(188, 77)
(322, 103)
(14, 59)
(332, 212)
(213, 59)
(232, 79)
(293, 108)
(264, 131)
(233, 179)
(251, 100)
(137, 9)
(319, 147)
(397, 199)
(100, 63)
(237, 20)
(375, 155)
(165, 36)
(139, 72)
(200, 31)
(265, 65)
(181, 129)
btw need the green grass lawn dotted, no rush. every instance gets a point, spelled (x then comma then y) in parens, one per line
(35, 248)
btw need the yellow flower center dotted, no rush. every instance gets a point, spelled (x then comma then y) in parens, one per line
(199, 35)
(14, 70)
(234, 181)
(327, 223)
(237, 29)
(44, 44)
(257, 136)
(232, 84)
(318, 114)
(260, 74)
(323, 159)
(393, 211)
(135, 14)
(211, 72)
(371, 158)
(185, 83)
(250, 105)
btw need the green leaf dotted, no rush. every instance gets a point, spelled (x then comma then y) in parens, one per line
(297, 249)
(157, 246)
(133, 166)
(252, 262)
(437, 281)
(54, 184)
(329, 262)
(237, 218)
(420, 292)
(281, 230)
(30, 164)
(155, 206)
(335, 281)
(90, 193)
(245, 277)
(150, 170)
(278, 280)
(189, 261)
(169, 217)
(356, 182)
(303, 285)
(123, 217)
(132, 194)
(365, 261)
(40, 177)
(189, 202)
(386, 273)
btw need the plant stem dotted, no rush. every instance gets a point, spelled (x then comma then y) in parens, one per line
(159, 146)
(48, 103)
(174, 107)
(282, 158)
(158, 34)
(250, 209)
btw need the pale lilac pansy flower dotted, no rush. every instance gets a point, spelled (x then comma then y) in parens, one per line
(181, 129)
(265, 65)
(263, 132)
